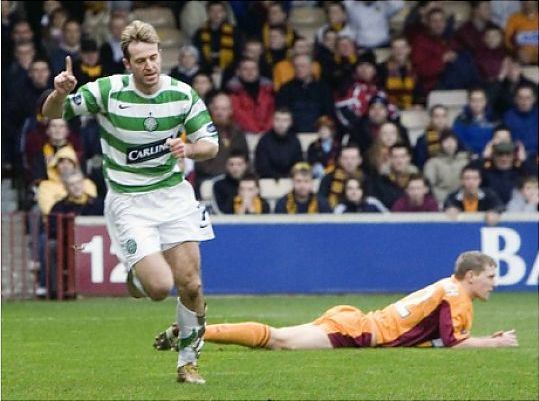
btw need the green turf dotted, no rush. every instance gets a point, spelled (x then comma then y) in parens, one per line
(100, 349)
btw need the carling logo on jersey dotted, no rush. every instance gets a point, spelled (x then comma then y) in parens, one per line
(147, 151)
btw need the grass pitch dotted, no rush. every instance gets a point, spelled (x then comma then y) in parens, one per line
(100, 349)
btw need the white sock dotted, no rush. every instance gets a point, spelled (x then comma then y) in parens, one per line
(191, 332)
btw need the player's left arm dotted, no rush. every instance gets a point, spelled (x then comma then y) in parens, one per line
(496, 340)
(202, 135)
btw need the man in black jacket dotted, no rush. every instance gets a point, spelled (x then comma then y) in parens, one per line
(306, 98)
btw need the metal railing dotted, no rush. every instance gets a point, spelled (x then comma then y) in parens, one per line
(38, 256)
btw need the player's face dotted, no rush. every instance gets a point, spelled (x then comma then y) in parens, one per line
(483, 283)
(145, 63)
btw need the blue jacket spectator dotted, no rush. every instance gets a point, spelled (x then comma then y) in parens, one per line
(522, 118)
(475, 126)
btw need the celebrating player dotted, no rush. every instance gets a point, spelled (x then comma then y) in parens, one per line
(153, 218)
(439, 315)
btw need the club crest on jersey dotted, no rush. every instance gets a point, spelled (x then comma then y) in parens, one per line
(77, 99)
(150, 123)
(131, 246)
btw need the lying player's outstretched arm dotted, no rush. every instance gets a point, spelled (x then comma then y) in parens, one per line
(498, 339)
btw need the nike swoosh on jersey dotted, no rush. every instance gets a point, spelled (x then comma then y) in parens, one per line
(124, 106)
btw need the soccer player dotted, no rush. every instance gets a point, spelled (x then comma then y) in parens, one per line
(439, 315)
(153, 218)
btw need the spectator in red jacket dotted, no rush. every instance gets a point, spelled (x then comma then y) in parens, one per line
(252, 98)
(432, 52)
(416, 197)
(470, 35)
(490, 57)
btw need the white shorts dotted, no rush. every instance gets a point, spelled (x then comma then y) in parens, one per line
(145, 223)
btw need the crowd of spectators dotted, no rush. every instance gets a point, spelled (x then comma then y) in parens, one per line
(264, 83)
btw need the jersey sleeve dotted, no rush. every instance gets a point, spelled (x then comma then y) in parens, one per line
(91, 98)
(454, 323)
(198, 124)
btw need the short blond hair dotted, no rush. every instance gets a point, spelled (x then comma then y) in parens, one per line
(472, 260)
(137, 31)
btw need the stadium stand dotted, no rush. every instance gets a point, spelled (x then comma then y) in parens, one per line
(159, 17)
(532, 73)
(306, 138)
(415, 121)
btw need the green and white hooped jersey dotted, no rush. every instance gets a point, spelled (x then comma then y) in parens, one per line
(134, 128)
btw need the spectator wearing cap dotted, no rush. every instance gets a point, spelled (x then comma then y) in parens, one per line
(503, 134)
(398, 77)
(88, 67)
(370, 20)
(521, 32)
(471, 197)
(302, 199)
(475, 125)
(526, 199)
(522, 118)
(501, 173)
(390, 186)
(307, 98)
(279, 149)
(188, 64)
(322, 153)
(443, 170)
(416, 197)
(111, 54)
(365, 131)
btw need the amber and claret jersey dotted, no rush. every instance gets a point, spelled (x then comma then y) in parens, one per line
(439, 315)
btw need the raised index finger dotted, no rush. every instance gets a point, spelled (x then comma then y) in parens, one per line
(69, 66)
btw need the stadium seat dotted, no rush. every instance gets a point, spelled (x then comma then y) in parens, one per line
(169, 57)
(459, 9)
(206, 190)
(306, 138)
(170, 37)
(271, 189)
(382, 54)
(449, 98)
(159, 17)
(452, 113)
(307, 16)
(532, 73)
(415, 122)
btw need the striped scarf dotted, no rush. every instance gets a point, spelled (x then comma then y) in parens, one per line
(226, 44)
(292, 206)
(256, 205)
(399, 87)
(336, 188)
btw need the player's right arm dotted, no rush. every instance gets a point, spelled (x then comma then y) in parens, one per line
(498, 339)
(64, 83)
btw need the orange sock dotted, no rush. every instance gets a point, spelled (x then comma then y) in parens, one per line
(249, 334)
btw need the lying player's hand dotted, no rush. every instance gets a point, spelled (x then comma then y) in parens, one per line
(506, 338)
(65, 82)
(178, 148)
